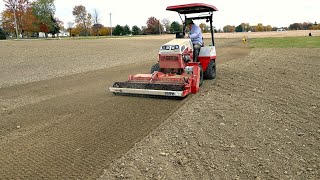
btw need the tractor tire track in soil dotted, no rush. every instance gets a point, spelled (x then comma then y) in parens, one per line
(71, 127)
(76, 128)
(259, 119)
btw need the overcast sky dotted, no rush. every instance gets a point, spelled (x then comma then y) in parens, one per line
(231, 12)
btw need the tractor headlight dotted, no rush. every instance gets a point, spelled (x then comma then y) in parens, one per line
(175, 47)
(169, 47)
(165, 47)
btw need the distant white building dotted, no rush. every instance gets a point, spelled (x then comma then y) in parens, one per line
(281, 29)
(60, 34)
(63, 34)
(43, 35)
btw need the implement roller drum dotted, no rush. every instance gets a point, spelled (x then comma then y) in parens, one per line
(166, 87)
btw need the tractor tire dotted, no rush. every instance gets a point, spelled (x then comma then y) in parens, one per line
(210, 73)
(155, 67)
(201, 75)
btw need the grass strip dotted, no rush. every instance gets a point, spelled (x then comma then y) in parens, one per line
(285, 42)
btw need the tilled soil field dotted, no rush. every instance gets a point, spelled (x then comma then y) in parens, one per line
(258, 120)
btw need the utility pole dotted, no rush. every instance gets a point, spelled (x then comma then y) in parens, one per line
(14, 5)
(110, 24)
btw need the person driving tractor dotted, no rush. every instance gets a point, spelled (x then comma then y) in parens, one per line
(196, 37)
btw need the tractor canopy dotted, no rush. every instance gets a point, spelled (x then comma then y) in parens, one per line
(192, 8)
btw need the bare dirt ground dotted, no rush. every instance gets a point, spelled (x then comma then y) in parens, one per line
(258, 120)
(71, 126)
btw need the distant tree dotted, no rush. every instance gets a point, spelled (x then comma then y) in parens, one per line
(8, 23)
(96, 29)
(166, 24)
(245, 27)
(136, 30)
(204, 28)
(175, 27)
(267, 28)
(315, 27)
(239, 28)
(96, 16)
(55, 27)
(104, 31)
(12, 6)
(77, 30)
(118, 30)
(143, 30)
(70, 26)
(253, 28)
(126, 30)
(228, 28)
(309, 26)
(44, 11)
(296, 26)
(153, 26)
(43, 28)
(260, 27)
(305, 25)
(61, 24)
(2, 34)
(82, 17)
(29, 23)
(16, 16)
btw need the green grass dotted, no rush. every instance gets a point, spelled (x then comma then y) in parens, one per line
(285, 42)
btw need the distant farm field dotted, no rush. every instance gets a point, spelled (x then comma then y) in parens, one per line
(234, 35)
(266, 34)
(237, 35)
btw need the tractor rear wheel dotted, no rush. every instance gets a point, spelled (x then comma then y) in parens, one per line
(210, 73)
(155, 67)
(201, 75)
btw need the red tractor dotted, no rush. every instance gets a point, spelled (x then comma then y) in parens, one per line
(177, 74)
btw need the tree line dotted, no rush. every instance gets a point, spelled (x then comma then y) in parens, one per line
(89, 24)
(246, 27)
(28, 18)
(304, 26)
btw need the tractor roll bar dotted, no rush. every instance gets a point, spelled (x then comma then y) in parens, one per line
(208, 18)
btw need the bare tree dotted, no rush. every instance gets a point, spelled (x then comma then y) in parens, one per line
(70, 25)
(82, 17)
(166, 23)
(12, 4)
(96, 16)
